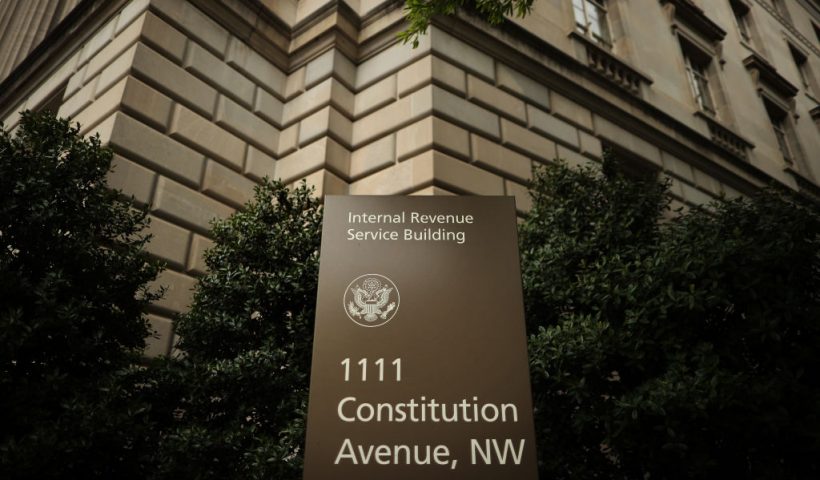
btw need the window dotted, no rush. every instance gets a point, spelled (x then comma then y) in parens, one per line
(590, 19)
(697, 73)
(741, 12)
(782, 131)
(622, 162)
(802, 64)
(816, 31)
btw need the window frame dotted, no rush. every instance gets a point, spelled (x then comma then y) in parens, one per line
(801, 63)
(783, 132)
(741, 14)
(601, 13)
(697, 67)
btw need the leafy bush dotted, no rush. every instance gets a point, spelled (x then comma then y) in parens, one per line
(239, 393)
(671, 349)
(73, 279)
(659, 349)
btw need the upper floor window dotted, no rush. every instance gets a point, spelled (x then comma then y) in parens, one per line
(741, 12)
(590, 19)
(782, 131)
(802, 64)
(697, 73)
(621, 162)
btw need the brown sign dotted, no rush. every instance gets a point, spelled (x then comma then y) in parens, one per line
(419, 359)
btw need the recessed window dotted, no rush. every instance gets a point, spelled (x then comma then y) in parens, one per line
(624, 163)
(802, 64)
(782, 131)
(590, 19)
(741, 13)
(697, 73)
(816, 31)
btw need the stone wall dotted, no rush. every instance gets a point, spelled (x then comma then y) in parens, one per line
(201, 99)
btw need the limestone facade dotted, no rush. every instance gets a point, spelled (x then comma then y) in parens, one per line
(200, 99)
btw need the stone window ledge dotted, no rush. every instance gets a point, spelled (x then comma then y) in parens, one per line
(611, 67)
(725, 138)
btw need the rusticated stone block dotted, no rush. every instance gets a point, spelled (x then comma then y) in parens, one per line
(199, 133)
(187, 207)
(226, 185)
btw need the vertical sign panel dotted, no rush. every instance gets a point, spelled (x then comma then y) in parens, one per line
(419, 360)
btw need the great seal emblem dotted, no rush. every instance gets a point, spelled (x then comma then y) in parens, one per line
(371, 300)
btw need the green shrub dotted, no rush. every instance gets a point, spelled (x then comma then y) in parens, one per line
(241, 386)
(671, 349)
(659, 348)
(73, 279)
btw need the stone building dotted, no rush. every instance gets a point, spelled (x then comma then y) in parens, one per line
(201, 98)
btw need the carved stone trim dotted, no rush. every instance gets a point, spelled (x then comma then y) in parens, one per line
(789, 25)
(690, 14)
(766, 77)
(815, 113)
(73, 30)
(609, 66)
(726, 139)
(561, 71)
(807, 186)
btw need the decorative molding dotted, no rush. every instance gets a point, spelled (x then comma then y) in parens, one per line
(807, 186)
(766, 77)
(789, 26)
(694, 17)
(249, 20)
(73, 30)
(606, 64)
(726, 139)
(527, 53)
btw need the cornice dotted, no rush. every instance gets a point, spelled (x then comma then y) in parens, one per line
(764, 74)
(56, 48)
(789, 26)
(693, 16)
(272, 38)
(813, 6)
(335, 24)
(336, 7)
(249, 20)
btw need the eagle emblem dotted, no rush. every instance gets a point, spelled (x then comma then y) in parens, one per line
(371, 300)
